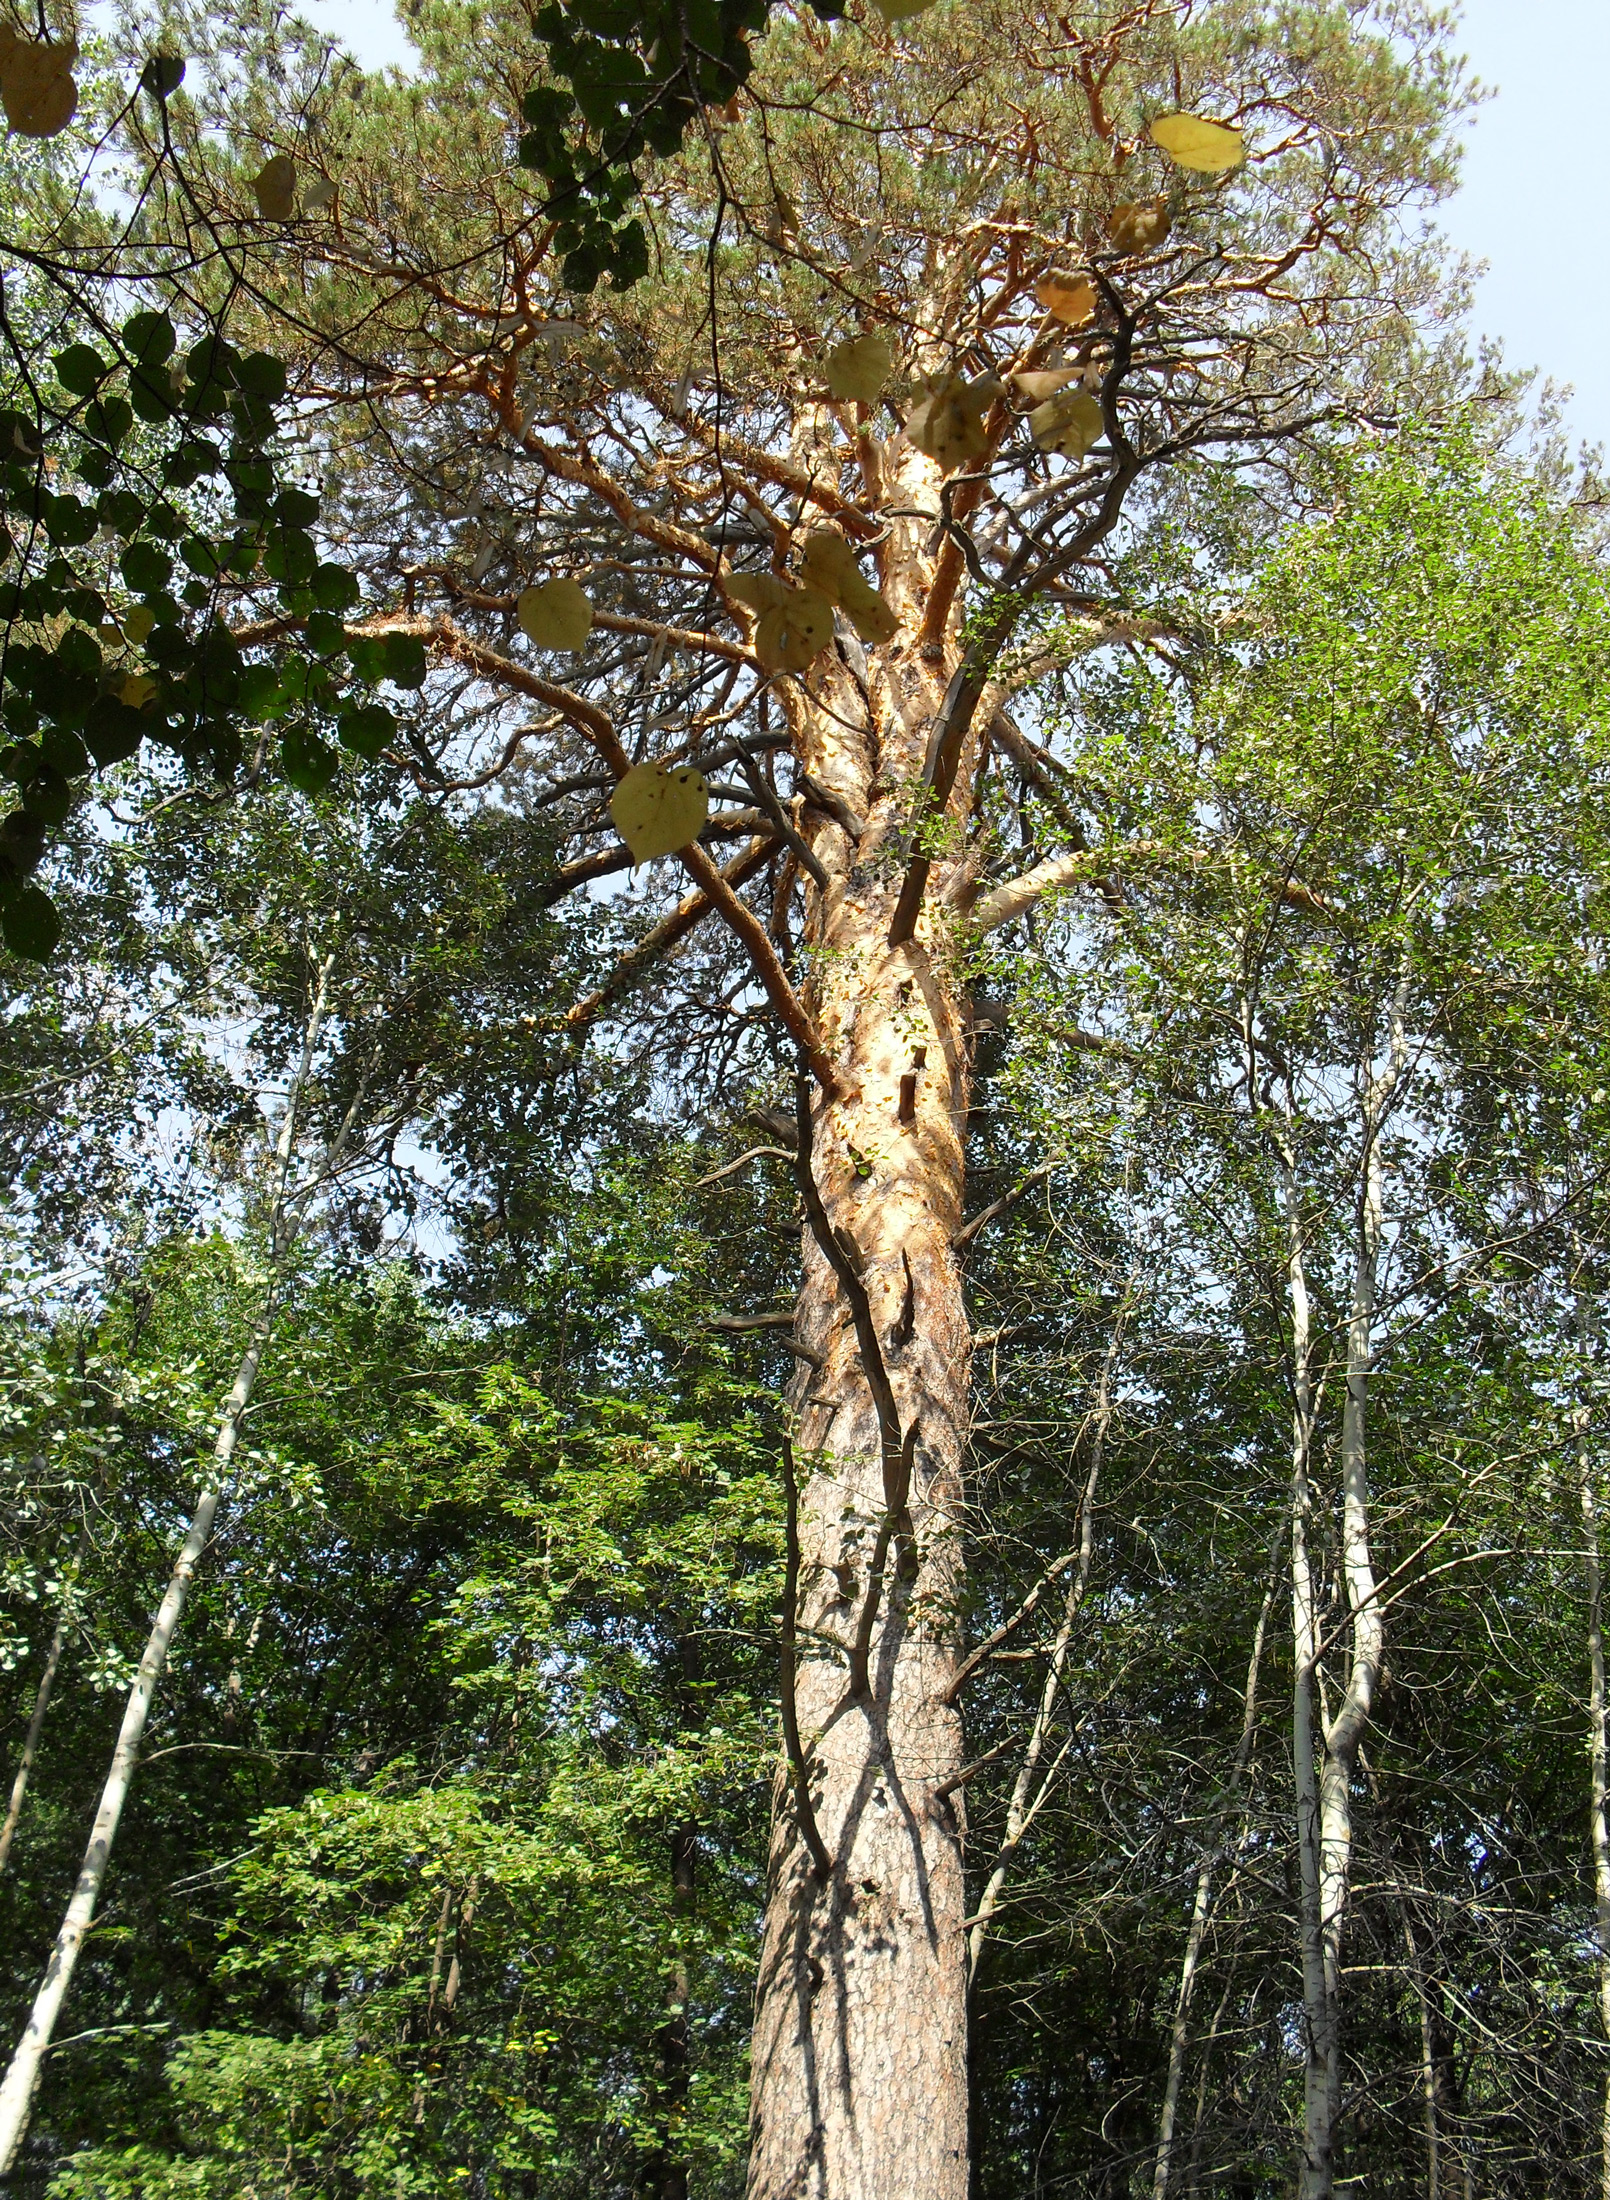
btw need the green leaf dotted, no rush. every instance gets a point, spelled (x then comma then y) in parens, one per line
(294, 507)
(30, 924)
(22, 843)
(64, 752)
(148, 338)
(335, 589)
(146, 568)
(109, 420)
(201, 556)
(162, 74)
(405, 660)
(365, 728)
(262, 375)
(367, 654)
(48, 795)
(289, 554)
(326, 635)
(81, 369)
(213, 365)
(70, 522)
(189, 460)
(121, 509)
(262, 696)
(150, 393)
(310, 764)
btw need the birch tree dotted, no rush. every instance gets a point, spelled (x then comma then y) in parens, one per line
(288, 1201)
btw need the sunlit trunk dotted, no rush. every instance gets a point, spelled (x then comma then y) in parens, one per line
(859, 2067)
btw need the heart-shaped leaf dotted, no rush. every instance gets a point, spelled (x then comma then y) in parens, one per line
(659, 808)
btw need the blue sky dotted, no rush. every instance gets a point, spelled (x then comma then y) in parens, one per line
(1530, 202)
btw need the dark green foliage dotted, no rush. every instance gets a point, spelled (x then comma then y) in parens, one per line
(79, 688)
(638, 77)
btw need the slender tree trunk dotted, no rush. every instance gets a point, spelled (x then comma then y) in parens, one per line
(666, 2174)
(859, 2088)
(1598, 1761)
(1179, 2033)
(30, 1747)
(22, 2077)
(1314, 2176)
(1023, 1805)
(1428, 2068)
(1340, 1761)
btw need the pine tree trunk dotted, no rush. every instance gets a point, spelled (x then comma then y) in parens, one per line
(859, 2067)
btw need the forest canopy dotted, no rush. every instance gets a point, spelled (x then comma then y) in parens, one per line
(803, 913)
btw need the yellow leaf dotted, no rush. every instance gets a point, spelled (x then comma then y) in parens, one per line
(794, 631)
(1067, 298)
(857, 369)
(947, 424)
(1039, 383)
(138, 623)
(659, 808)
(1068, 424)
(758, 591)
(556, 615)
(828, 563)
(36, 85)
(830, 569)
(1210, 148)
(1139, 225)
(275, 185)
(139, 691)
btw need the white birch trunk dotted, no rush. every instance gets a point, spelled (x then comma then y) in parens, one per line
(1179, 2034)
(1314, 2176)
(30, 1747)
(22, 2078)
(1598, 1762)
(1327, 1757)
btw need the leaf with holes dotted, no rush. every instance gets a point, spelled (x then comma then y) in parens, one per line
(794, 633)
(1139, 225)
(829, 567)
(1035, 384)
(947, 423)
(659, 808)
